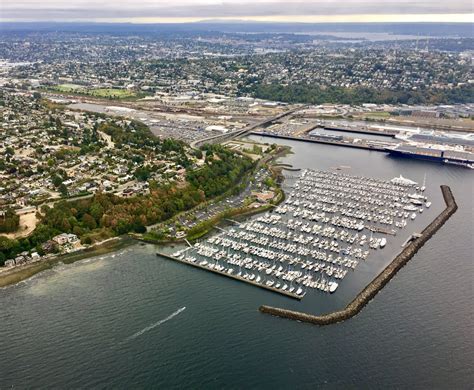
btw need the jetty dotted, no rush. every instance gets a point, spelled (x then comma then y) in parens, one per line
(369, 292)
(235, 277)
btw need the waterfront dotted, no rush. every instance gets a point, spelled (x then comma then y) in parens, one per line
(415, 333)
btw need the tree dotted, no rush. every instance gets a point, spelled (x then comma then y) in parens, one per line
(57, 180)
(89, 221)
(63, 189)
(2, 259)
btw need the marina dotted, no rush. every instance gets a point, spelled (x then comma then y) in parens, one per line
(327, 225)
(364, 297)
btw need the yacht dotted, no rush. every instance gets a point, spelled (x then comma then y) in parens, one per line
(333, 286)
(403, 181)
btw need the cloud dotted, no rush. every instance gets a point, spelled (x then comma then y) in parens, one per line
(204, 9)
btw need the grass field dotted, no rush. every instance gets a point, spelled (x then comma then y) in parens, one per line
(111, 93)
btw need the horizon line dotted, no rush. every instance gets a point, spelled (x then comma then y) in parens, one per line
(297, 19)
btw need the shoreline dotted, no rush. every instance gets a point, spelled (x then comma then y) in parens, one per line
(371, 290)
(18, 274)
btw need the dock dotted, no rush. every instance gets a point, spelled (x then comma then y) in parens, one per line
(359, 130)
(235, 277)
(378, 229)
(376, 146)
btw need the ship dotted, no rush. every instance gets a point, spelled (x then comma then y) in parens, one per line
(464, 159)
(461, 164)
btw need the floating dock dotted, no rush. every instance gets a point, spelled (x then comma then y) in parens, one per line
(369, 292)
(235, 277)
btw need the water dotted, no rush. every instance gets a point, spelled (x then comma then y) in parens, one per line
(117, 321)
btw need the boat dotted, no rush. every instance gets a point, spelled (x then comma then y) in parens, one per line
(403, 181)
(428, 204)
(413, 216)
(463, 159)
(383, 242)
(416, 196)
(333, 286)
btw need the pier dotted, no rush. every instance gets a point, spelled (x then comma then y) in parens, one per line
(381, 280)
(361, 130)
(367, 145)
(235, 277)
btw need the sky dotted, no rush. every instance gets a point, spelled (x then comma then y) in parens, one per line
(175, 11)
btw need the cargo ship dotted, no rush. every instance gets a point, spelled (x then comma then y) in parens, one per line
(464, 159)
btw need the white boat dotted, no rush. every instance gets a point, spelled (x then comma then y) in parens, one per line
(383, 242)
(299, 291)
(428, 204)
(403, 181)
(333, 286)
(258, 279)
(413, 216)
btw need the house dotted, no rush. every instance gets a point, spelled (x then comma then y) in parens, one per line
(49, 246)
(9, 263)
(35, 257)
(61, 239)
(20, 260)
(72, 238)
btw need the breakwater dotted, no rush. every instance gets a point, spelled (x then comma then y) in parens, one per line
(381, 280)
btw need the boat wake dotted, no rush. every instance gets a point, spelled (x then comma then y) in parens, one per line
(152, 326)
